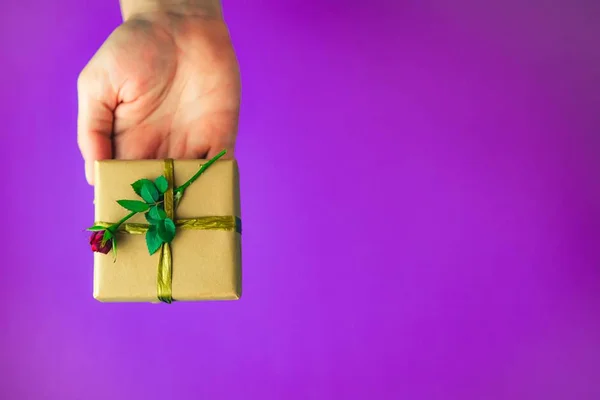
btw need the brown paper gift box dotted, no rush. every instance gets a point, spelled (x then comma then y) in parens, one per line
(206, 263)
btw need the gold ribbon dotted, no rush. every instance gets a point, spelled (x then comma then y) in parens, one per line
(224, 223)
(164, 286)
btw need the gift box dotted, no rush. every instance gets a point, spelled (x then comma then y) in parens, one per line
(202, 260)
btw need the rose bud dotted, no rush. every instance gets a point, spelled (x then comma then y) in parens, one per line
(96, 242)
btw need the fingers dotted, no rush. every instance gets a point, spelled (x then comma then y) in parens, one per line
(97, 101)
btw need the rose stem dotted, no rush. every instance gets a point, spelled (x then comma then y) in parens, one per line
(203, 168)
(125, 218)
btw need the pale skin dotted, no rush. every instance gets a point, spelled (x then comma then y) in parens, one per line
(165, 84)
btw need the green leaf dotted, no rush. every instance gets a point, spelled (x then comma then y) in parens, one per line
(149, 192)
(114, 249)
(134, 205)
(96, 228)
(108, 235)
(151, 220)
(161, 184)
(170, 227)
(137, 185)
(153, 241)
(166, 230)
(157, 213)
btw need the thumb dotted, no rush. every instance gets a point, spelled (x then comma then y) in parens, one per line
(97, 101)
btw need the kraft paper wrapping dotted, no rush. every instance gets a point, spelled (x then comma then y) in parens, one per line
(206, 263)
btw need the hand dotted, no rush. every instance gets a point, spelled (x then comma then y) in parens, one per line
(164, 84)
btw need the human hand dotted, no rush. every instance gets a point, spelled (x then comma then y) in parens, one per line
(165, 84)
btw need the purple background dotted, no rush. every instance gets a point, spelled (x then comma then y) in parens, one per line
(421, 202)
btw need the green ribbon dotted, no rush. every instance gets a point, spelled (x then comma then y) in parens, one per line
(164, 284)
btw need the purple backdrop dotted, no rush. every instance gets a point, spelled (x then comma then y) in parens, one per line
(421, 203)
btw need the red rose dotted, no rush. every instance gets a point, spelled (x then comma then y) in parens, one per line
(96, 242)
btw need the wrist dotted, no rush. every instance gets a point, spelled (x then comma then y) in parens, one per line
(199, 8)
